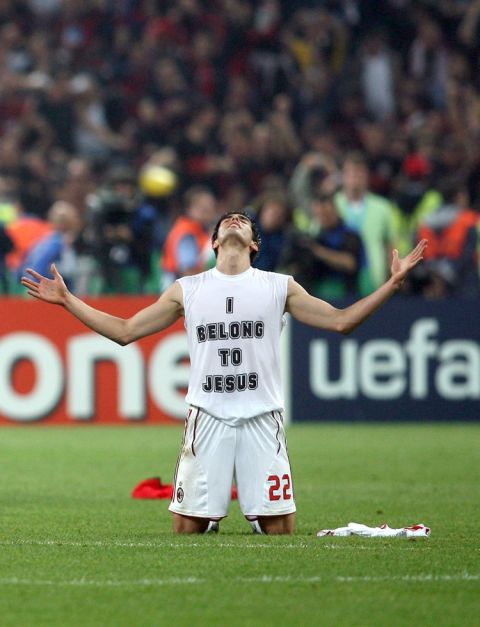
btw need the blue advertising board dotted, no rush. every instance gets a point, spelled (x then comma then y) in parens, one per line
(414, 360)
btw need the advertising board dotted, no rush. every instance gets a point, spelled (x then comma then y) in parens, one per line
(53, 370)
(414, 360)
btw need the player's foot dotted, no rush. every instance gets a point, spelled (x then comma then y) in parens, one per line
(255, 525)
(213, 527)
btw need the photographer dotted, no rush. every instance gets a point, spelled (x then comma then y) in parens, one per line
(316, 173)
(119, 233)
(325, 261)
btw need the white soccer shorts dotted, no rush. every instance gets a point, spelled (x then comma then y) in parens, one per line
(213, 454)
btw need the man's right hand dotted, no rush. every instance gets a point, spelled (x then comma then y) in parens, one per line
(50, 290)
(151, 319)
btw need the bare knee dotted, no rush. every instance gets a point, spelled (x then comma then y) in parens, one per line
(277, 525)
(189, 524)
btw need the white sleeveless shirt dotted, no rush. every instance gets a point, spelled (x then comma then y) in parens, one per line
(233, 325)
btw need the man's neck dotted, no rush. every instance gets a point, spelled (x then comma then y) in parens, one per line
(232, 260)
(355, 195)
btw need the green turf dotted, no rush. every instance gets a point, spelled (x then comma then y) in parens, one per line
(75, 549)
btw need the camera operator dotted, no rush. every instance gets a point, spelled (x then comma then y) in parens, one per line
(120, 231)
(327, 259)
(315, 174)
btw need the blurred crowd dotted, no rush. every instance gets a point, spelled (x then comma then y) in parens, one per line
(347, 127)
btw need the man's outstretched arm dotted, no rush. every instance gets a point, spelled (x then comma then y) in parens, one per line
(318, 313)
(156, 317)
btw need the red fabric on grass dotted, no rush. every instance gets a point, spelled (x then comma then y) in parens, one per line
(154, 489)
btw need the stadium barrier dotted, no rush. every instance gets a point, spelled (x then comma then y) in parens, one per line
(414, 360)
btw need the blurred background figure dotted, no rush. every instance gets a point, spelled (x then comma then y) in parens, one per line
(316, 173)
(451, 263)
(93, 134)
(327, 260)
(371, 216)
(428, 59)
(415, 198)
(6, 246)
(243, 97)
(119, 234)
(25, 231)
(187, 249)
(377, 69)
(59, 246)
(273, 218)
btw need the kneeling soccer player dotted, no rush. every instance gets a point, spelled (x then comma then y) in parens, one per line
(234, 315)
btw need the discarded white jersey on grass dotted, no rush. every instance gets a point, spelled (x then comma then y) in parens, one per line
(384, 531)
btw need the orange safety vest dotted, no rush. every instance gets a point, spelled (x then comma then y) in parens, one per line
(25, 233)
(448, 242)
(183, 226)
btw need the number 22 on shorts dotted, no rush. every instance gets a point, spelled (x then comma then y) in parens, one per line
(279, 487)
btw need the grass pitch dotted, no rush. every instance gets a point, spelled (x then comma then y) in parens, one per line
(75, 549)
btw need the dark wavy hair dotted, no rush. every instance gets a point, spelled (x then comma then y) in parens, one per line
(255, 234)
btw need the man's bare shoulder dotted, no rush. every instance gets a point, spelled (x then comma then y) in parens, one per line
(173, 294)
(294, 288)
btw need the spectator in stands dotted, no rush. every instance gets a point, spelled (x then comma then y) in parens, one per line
(93, 136)
(377, 68)
(240, 90)
(370, 216)
(384, 152)
(78, 182)
(327, 260)
(415, 199)
(273, 217)
(314, 34)
(59, 246)
(57, 106)
(286, 143)
(187, 247)
(203, 160)
(25, 231)
(451, 264)
(6, 245)
(428, 60)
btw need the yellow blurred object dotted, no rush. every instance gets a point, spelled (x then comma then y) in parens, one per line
(303, 52)
(156, 180)
(8, 212)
